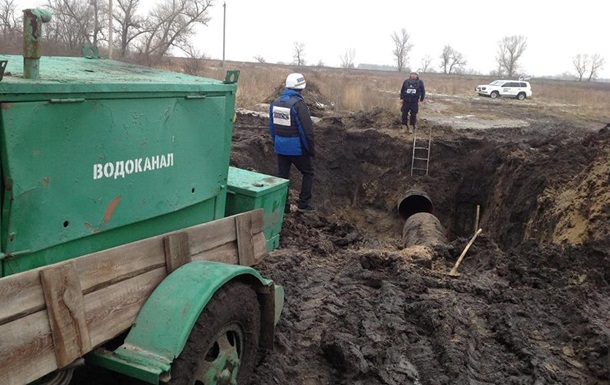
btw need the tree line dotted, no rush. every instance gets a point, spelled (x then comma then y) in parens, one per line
(143, 37)
(508, 53)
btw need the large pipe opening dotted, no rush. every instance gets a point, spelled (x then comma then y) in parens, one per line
(412, 202)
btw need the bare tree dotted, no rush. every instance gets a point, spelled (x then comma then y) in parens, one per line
(171, 24)
(347, 59)
(402, 48)
(446, 58)
(510, 49)
(194, 59)
(426, 63)
(452, 60)
(298, 53)
(76, 23)
(129, 24)
(9, 20)
(597, 64)
(99, 9)
(10, 26)
(260, 59)
(581, 63)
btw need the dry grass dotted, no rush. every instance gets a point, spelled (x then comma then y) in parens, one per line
(364, 90)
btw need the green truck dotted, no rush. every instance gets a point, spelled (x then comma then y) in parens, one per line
(126, 240)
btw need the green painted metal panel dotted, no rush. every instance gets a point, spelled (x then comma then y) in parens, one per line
(190, 216)
(149, 372)
(249, 190)
(80, 77)
(138, 152)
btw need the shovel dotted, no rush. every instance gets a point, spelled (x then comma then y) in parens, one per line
(453, 272)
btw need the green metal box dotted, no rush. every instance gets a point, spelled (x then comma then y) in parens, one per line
(99, 153)
(249, 190)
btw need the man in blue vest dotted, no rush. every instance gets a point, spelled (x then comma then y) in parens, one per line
(411, 93)
(292, 133)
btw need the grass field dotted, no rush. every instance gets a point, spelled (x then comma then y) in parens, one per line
(364, 90)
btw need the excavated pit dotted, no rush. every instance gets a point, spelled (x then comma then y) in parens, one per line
(532, 304)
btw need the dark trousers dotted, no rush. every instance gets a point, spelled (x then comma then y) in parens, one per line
(411, 107)
(304, 164)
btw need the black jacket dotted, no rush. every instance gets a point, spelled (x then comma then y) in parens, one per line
(412, 91)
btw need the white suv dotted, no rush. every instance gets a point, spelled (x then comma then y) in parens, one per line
(506, 88)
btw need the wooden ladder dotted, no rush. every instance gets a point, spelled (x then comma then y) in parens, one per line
(420, 160)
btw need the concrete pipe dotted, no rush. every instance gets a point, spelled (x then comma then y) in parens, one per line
(421, 227)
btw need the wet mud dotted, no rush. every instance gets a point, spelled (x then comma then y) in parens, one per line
(364, 307)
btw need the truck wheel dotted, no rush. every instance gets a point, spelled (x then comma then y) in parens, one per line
(221, 349)
(60, 377)
(521, 96)
(494, 94)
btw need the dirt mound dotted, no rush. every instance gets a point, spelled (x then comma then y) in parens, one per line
(578, 208)
(377, 118)
(318, 104)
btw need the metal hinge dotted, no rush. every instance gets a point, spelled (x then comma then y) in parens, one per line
(231, 77)
(67, 100)
(90, 51)
(3, 64)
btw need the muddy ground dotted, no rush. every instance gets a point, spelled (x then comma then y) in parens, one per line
(532, 303)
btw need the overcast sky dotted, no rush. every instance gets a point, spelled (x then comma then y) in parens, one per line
(556, 31)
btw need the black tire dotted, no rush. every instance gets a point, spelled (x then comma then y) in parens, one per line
(521, 96)
(494, 94)
(59, 377)
(229, 325)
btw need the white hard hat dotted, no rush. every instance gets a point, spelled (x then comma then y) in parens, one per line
(295, 81)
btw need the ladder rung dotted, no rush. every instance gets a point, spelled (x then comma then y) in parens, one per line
(421, 143)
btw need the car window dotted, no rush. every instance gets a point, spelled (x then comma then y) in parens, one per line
(524, 85)
(496, 83)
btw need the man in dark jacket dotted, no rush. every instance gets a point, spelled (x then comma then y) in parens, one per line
(411, 93)
(292, 133)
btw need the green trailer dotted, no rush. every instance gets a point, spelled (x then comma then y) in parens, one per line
(115, 246)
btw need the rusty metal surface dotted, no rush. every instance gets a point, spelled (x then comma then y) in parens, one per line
(32, 36)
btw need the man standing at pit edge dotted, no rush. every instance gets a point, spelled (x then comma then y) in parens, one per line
(411, 93)
(292, 133)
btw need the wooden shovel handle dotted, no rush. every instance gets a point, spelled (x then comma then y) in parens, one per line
(457, 263)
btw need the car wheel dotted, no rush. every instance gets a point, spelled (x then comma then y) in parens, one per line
(223, 344)
(521, 96)
(494, 94)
